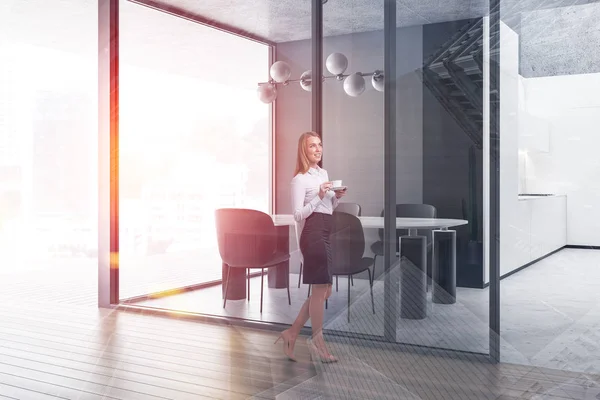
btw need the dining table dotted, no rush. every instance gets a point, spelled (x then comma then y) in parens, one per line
(410, 224)
(412, 253)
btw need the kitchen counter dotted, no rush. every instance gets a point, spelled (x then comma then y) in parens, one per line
(544, 196)
(534, 227)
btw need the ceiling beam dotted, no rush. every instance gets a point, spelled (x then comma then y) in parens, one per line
(199, 19)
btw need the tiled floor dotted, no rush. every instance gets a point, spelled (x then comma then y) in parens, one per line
(550, 313)
(446, 326)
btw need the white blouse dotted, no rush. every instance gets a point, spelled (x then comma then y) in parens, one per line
(305, 194)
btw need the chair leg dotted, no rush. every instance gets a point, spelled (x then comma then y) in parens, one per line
(352, 280)
(248, 277)
(262, 282)
(309, 286)
(226, 287)
(300, 276)
(371, 284)
(336, 283)
(288, 290)
(374, 264)
(326, 304)
(348, 298)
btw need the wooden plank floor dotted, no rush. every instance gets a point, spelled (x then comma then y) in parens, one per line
(55, 343)
(70, 352)
(50, 351)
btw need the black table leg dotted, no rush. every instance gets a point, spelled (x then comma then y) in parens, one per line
(237, 283)
(278, 277)
(413, 277)
(444, 266)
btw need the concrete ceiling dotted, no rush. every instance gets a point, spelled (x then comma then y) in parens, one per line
(289, 20)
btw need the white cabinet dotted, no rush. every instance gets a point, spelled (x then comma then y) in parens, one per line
(548, 225)
(535, 227)
(534, 132)
(522, 232)
(515, 233)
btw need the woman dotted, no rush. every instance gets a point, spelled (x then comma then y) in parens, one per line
(313, 203)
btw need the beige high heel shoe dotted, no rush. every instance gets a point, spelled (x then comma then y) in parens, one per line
(318, 354)
(288, 344)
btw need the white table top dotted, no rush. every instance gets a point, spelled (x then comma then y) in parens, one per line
(377, 222)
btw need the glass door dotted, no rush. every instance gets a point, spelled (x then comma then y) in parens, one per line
(442, 84)
(354, 153)
(548, 199)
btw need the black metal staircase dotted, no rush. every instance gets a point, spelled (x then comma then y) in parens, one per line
(454, 73)
(455, 77)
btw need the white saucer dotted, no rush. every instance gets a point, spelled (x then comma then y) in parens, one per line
(335, 189)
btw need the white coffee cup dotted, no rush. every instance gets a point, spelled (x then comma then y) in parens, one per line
(336, 184)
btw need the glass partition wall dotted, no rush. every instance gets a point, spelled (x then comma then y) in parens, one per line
(404, 112)
(549, 116)
(418, 157)
(353, 152)
(442, 147)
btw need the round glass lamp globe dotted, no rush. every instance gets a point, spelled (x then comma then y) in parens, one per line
(377, 80)
(336, 63)
(266, 93)
(354, 85)
(306, 80)
(280, 71)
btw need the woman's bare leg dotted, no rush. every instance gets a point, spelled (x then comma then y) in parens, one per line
(292, 333)
(301, 319)
(317, 310)
(317, 307)
(313, 308)
(304, 315)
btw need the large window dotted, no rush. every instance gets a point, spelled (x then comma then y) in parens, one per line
(193, 138)
(48, 149)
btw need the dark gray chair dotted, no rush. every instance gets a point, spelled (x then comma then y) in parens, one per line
(350, 208)
(348, 247)
(248, 239)
(408, 211)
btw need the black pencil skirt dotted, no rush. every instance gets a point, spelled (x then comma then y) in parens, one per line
(316, 249)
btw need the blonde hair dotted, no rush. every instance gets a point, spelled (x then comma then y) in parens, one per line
(302, 163)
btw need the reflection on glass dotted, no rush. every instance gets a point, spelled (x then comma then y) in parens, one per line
(353, 123)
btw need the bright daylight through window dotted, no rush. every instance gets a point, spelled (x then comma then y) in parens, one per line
(193, 138)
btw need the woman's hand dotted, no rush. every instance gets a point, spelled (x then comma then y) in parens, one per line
(340, 193)
(323, 189)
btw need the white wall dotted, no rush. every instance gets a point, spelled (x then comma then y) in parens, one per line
(571, 166)
(514, 220)
(353, 126)
(530, 227)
